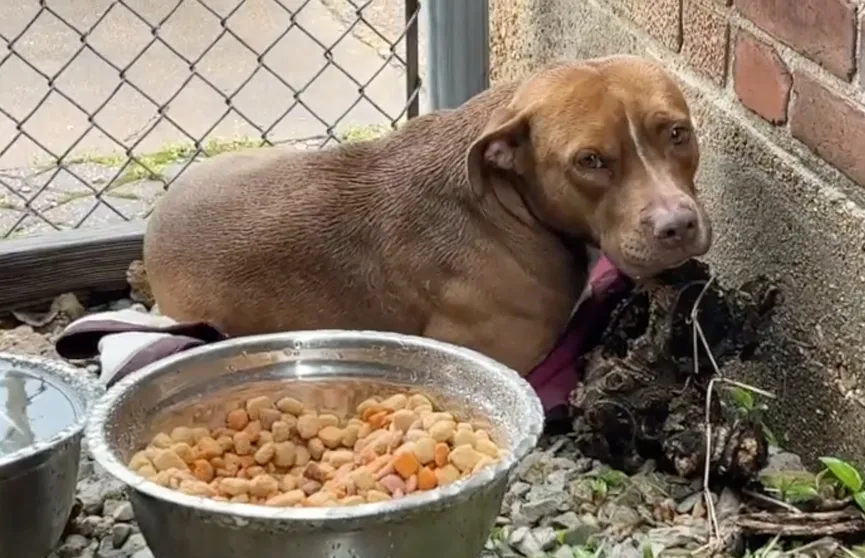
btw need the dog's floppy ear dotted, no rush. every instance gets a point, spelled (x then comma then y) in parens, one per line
(504, 145)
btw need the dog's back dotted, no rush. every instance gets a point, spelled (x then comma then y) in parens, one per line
(360, 223)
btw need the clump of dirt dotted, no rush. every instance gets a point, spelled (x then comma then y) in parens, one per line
(139, 286)
(641, 397)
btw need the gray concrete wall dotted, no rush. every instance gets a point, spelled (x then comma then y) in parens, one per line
(778, 209)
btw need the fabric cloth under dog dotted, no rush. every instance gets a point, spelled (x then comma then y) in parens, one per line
(126, 340)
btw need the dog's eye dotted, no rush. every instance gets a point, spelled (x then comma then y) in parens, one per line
(590, 160)
(679, 134)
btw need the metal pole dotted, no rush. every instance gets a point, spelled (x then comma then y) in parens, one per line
(412, 62)
(458, 51)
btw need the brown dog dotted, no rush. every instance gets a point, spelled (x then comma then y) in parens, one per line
(469, 226)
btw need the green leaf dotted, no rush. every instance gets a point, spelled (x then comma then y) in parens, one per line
(742, 398)
(613, 477)
(599, 487)
(800, 493)
(859, 498)
(770, 436)
(844, 472)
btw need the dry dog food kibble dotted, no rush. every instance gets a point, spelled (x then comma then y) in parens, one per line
(279, 453)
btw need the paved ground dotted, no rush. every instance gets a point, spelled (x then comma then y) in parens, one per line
(130, 118)
(383, 23)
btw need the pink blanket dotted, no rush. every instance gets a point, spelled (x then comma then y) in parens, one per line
(557, 375)
(126, 340)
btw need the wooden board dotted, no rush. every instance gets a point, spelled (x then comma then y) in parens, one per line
(35, 270)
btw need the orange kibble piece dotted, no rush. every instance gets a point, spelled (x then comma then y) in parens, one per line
(237, 419)
(406, 464)
(442, 452)
(202, 470)
(378, 420)
(372, 410)
(426, 479)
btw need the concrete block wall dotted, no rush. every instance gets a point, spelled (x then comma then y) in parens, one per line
(777, 89)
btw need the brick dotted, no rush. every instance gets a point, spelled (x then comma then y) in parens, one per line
(705, 35)
(822, 30)
(831, 126)
(660, 18)
(760, 78)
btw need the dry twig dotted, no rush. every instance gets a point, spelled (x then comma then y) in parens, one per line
(697, 330)
(811, 525)
(698, 334)
(771, 501)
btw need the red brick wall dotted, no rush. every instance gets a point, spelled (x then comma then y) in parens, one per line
(798, 65)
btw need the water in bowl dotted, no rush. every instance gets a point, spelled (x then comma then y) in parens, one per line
(32, 409)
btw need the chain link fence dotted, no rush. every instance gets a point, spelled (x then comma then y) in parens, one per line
(104, 103)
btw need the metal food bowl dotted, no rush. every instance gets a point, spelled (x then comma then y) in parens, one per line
(43, 410)
(326, 369)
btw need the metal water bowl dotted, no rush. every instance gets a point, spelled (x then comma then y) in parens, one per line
(43, 410)
(337, 368)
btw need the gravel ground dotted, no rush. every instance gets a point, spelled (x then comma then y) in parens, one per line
(559, 504)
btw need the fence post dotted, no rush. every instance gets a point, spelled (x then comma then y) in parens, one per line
(458, 51)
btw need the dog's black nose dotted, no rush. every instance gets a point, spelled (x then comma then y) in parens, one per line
(675, 227)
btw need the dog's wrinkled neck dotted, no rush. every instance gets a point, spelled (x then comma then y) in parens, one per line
(508, 194)
(506, 207)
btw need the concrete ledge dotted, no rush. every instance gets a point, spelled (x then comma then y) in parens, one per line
(777, 210)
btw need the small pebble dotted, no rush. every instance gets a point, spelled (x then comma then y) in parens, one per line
(94, 492)
(517, 535)
(120, 533)
(73, 547)
(123, 512)
(533, 510)
(546, 537)
(567, 520)
(94, 526)
(529, 545)
(579, 536)
(686, 505)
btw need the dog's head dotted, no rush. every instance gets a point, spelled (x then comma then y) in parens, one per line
(603, 150)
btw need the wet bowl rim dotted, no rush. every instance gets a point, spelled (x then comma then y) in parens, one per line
(96, 438)
(74, 382)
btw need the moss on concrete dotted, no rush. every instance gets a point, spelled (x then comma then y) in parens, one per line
(152, 165)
